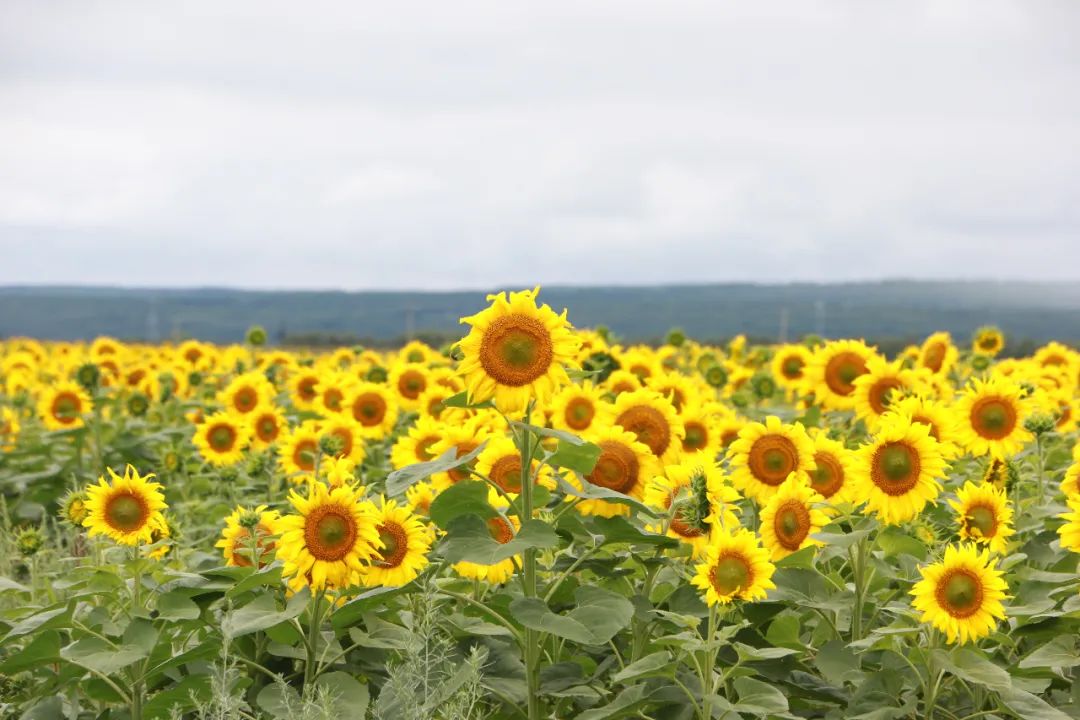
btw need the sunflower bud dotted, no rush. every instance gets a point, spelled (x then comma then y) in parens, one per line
(675, 337)
(228, 473)
(716, 376)
(137, 404)
(331, 445)
(979, 363)
(73, 508)
(29, 541)
(256, 464)
(378, 374)
(601, 363)
(256, 335)
(249, 519)
(89, 376)
(1040, 423)
(763, 385)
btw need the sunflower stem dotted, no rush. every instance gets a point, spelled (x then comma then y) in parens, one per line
(1039, 468)
(314, 624)
(532, 645)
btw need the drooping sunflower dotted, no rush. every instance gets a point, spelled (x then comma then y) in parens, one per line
(247, 533)
(935, 415)
(735, 566)
(127, 508)
(63, 405)
(404, 544)
(697, 498)
(990, 418)
(326, 541)
(899, 470)
(833, 470)
(516, 351)
(653, 419)
(625, 465)
(221, 438)
(701, 440)
(961, 595)
(765, 454)
(408, 382)
(246, 392)
(268, 424)
(789, 366)
(416, 444)
(500, 462)
(791, 516)
(1070, 531)
(883, 385)
(502, 528)
(988, 340)
(833, 370)
(298, 451)
(984, 515)
(937, 354)
(580, 408)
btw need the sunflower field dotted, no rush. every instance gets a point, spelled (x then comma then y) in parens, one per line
(539, 522)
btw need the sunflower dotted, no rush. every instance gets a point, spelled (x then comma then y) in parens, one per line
(766, 453)
(678, 389)
(988, 340)
(221, 438)
(735, 566)
(502, 529)
(500, 462)
(339, 471)
(63, 405)
(419, 497)
(240, 527)
(348, 434)
(937, 416)
(432, 404)
(408, 382)
(833, 470)
(1054, 354)
(625, 465)
(701, 440)
(833, 370)
(324, 543)
(127, 508)
(404, 542)
(416, 445)
(303, 388)
(697, 499)
(9, 428)
(298, 451)
(1070, 484)
(516, 351)
(653, 419)
(883, 384)
(962, 594)
(640, 361)
(728, 427)
(580, 408)
(267, 425)
(416, 351)
(791, 516)
(332, 388)
(789, 366)
(898, 471)
(990, 417)
(1070, 531)
(246, 392)
(984, 515)
(937, 354)
(620, 381)
(463, 439)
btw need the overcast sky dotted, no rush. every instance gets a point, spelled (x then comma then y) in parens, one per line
(469, 144)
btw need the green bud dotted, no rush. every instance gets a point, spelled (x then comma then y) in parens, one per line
(331, 445)
(716, 376)
(29, 541)
(675, 337)
(89, 376)
(137, 404)
(1040, 423)
(256, 335)
(602, 363)
(979, 362)
(377, 374)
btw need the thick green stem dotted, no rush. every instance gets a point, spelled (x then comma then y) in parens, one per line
(1039, 467)
(314, 624)
(532, 644)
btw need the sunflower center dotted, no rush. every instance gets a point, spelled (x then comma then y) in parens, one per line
(988, 342)
(306, 388)
(246, 399)
(616, 468)
(304, 455)
(506, 473)
(65, 407)
(842, 370)
(896, 468)
(126, 512)
(329, 533)
(984, 519)
(993, 418)
(332, 399)
(792, 368)
(772, 458)
(650, 426)
(369, 409)
(516, 349)
(730, 574)
(881, 393)
(697, 437)
(411, 384)
(579, 413)
(267, 429)
(423, 448)
(960, 593)
(935, 356)
(828, 475)
(791, 524)
(461, 473)
(501, 530)
(221, 438)
(395, 544)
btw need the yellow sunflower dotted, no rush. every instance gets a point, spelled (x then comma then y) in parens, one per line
(678, 389)
(883, 385)
(990, 418)
(404, 544)
(9, 428)
(500, 462)
(502, 528)
(463, 439)
(625, 465)
(735, 566)
(984, 515)
(267, 425)
(691, 517)
(416, 351)
(1070, 531)
(326, 541)
(833, 471)
(1054, 354)
(221, 438)
(298, 451)
(899, 470)
(419, 496)
(766, 453)
(789, 367)
(580, 408)
(408, 382)
(127, 508)
(620, 381)
(246, 392)
(303, 390)
(348, 434)
(653, 419)
(961, 595)
(937, 354)
(337, 471)
(833, 370)
(63, 406)
(988, 340)
(791, 516)
(641, 361)
(516, 351)
(937, 416)
(332, 388)
(237, 543)
(415, 446)
(701, 440)
(432, 403)
(1070, 484)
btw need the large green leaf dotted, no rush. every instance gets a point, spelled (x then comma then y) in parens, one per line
(399, 481)
(599, 614)
(43, 649)
(347, 696)
(468, 497)
(468, 539)
(971, 665)
(1058, 653)
(262, 613)
(97, 655)
(759, 698)
(1030, 707)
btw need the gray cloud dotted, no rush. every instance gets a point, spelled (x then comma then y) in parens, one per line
(440, 145)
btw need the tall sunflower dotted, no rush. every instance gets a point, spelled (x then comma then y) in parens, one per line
(63, 405)
(127, 508)
(899, 470)
(791, 516)
(653, 419)
(326, 541)
(765, 454)
(221, 438)
(735, 566)
(404, 542)
(516, 351)
(988, 340)
(961, 595)
(984, 515)
(990, 418)
(249, 532)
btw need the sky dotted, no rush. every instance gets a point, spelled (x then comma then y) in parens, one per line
(438, 145)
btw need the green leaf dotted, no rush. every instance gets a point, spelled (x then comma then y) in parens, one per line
(184, 696)
(468, 497)
(838, 664)
(748, 653)
(279, 700)
(759, 698)
(46, 620)
(619, 530)
(894, 541)
(595, 492)
(461, 400)
(346, 615)
(349, 697)
(469, 539)
(581, 458)
(599, 615)
(401, 480)
(1030, 707)
(99, 656)
(262, 613)
(1058, 653)
(177, 605)
(44, 649)
(658, 663)
(626, 703)
(972, 665)
(7, 584)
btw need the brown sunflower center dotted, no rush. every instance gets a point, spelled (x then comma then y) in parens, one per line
(369, 409)
(221, 438)
(923, 420)
(960, 593)
(126, 512)
(461, 473)
(993, 417)
(881, 394)
(792, 368)
(506, 473)
(332, 399)
(346, 439)
(329, 533)
(772, 458)
(66, 407)
(984, 518)
(501, 529)
(935, 356)
(842, 370)
(423, 448)
(411, 383)
(895, 468)
(828, 474)
(697, 436)
(516, 349)
(306, 388)
(304, 455)
(579, 413)
(791, 524)
(650, 426)
(988, 342)
(731, 574)
(395, 542)
(616, 468)
(267, 428)
(246, 399)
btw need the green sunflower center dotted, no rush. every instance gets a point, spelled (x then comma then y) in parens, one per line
(126, 512)
(333, 529)
(730, 574)
(962, 592)
(982, 517)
